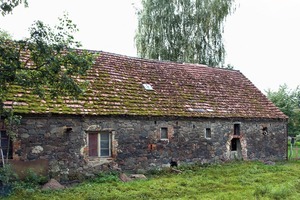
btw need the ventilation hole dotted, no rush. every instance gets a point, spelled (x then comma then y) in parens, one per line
(173, 163)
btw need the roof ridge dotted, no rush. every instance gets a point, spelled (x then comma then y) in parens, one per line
(150, 60)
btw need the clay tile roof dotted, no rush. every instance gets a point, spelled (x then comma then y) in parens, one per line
(176, 89)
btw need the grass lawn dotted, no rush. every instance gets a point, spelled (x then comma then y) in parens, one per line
(237, 180)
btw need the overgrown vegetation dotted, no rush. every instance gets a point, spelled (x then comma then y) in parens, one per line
(9, 180)
(236, 180)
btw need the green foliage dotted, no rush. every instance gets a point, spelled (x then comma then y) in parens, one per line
(45, 62)
(183, 30)
(34, 179)
(7, 175)
(288, 101)
(104, 177)
(7, 6)
(5, 35)
(11, 122)
(30, 184)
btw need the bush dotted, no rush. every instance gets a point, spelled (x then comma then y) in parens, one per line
(31, 182)
(7, 175)
(105, 177)
(7, 178)
(34, 179)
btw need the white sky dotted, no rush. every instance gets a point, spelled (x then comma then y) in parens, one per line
(262, 37)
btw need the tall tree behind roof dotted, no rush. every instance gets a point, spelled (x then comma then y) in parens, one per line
(183, 30)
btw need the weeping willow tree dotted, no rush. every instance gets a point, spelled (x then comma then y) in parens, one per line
(183, 30)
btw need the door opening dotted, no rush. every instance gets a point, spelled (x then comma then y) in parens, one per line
(235, 149)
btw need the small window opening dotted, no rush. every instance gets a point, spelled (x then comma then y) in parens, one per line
(265, 130)
(194, 126)
(234, 142)
(237, 129)
(6, 145)
(164, 133)
(69, 129)
(147, 86)
(173, 163)
(207, 133)
(151, 147)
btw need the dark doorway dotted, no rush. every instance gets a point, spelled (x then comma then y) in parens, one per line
(236, 149)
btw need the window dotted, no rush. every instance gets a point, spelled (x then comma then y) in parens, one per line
(147, 86)
(5, 145)
(265, 130)
(234, 144)
(164, 133)
(99, 144)
(237, 128)
(207, 133)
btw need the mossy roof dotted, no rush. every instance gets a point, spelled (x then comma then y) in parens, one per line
(179, 90)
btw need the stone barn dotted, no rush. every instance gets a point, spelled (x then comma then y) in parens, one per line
(140, 114)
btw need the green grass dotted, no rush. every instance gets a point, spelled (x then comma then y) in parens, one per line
(237, 180)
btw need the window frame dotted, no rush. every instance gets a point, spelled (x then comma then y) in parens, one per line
(98, 145)
(237, 129)
(166, 132)
(109, 145)
(207, 130)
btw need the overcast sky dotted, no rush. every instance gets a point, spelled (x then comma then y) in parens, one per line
(261, 37)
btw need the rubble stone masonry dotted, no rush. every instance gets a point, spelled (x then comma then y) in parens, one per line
(143, 143)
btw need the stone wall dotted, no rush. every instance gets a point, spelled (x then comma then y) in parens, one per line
(137, 143)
